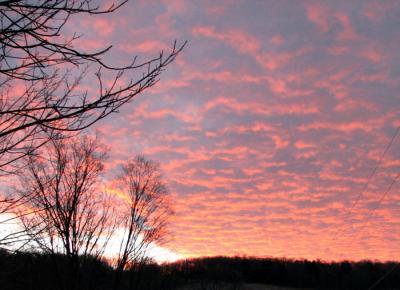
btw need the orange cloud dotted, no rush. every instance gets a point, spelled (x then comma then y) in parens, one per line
(267, 133)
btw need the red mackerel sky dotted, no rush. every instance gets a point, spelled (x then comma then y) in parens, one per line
(268, 125)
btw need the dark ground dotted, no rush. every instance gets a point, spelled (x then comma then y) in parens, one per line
(35, 271)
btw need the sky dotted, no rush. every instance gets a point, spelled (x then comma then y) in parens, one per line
(275, 127)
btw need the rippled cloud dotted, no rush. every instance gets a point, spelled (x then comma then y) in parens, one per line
(269, 123)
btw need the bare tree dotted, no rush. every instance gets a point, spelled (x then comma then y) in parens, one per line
(146, 214)
(68, 213)
(40, 59)
(41, 77)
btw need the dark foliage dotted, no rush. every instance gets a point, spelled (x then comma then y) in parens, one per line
(288, 273)
(38, 271)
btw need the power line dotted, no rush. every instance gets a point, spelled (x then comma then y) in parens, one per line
(385, 193)
(366, 185)
(371, 175)
(383, 196)
(376, 283)
(377, 165)
(377, 206)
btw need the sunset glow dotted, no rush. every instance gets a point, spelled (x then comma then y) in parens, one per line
(268, 126)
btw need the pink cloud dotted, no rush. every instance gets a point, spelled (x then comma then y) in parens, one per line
(348, 32)
(318, 14)
(354, 104)
(238, 39)
(103, 27)
(338, 50)
(304, 145)
(175, 6)
(347, 127)
(375, 10)
(279, 142)
(273, 61)
(148, 46)
(260, 107)
(372, 55)
(273, 132)
(277, 40)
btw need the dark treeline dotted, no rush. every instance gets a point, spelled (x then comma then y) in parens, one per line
(49, 271)
(287, 273)
(43, 271)
(38, 271)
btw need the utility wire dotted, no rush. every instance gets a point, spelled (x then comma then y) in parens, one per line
(383, 197)
(396, 265)
(385, 193)
(366, 184)
(377, 165)
(383, 277)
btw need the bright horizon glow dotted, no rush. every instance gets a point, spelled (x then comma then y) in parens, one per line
(268, 125)
(158, 253)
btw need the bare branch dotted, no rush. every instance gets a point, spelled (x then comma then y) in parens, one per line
(147, 212)
(69, 215)
(39, 59)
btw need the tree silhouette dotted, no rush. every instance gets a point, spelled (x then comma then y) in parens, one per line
(67, 212)
(41, 70)
(147, 211)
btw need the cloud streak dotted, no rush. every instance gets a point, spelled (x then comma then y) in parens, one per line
(268, 126)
